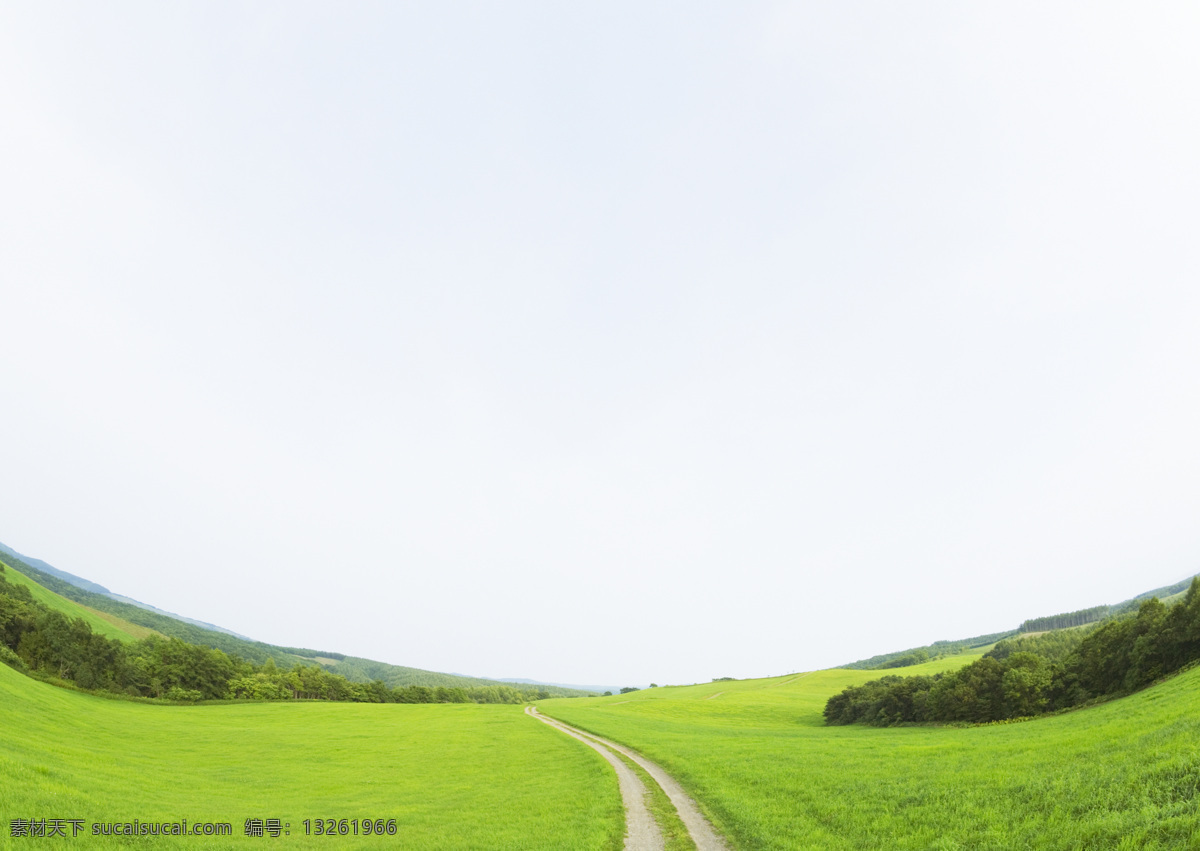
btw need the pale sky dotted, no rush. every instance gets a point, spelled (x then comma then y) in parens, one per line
(613, 343)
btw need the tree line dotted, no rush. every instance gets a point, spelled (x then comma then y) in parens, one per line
(917, 655)
(1030, 676)
(1066, 621)
(1055, 646)
(44, 642)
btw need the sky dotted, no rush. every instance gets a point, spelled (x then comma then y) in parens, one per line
(603, 343)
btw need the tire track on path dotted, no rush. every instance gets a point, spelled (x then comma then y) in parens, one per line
(641, 831)
(697, 825)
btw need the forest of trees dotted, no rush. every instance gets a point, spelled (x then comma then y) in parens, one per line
(44, 642)
(1028, 676)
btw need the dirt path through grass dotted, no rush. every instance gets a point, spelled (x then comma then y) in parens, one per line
(641, 831)
(697, 825)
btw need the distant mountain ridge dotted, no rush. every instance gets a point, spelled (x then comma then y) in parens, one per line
(96, 588)
(353, 668)
(77, 581)
(597, 689)
(192, 621)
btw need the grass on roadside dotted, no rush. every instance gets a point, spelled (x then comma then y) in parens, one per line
(674, 831)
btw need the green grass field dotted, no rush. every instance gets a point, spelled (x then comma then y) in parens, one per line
(452, 776)
(110, 626)
(754, 753)
(757, 757)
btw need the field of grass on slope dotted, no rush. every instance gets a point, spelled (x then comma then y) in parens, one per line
(452, 776)
(102, 623)
(759, 759)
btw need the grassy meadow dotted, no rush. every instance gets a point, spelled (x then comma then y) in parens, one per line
(452, 776)
(759, 760)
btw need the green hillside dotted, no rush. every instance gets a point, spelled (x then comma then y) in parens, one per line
(110, 626)
(105, 608)
(452, 776)
(1169, 594)
(357, 669)
(758, 757)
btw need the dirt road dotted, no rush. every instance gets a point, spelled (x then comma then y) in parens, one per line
(642, 833)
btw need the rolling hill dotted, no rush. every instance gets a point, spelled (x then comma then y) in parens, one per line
(110, 615)
(914, 655)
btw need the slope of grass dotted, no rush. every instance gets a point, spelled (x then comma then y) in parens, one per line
(110, 626)
(452, 776)
(760, 761)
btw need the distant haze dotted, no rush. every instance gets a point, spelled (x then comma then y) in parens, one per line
(622, 343)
